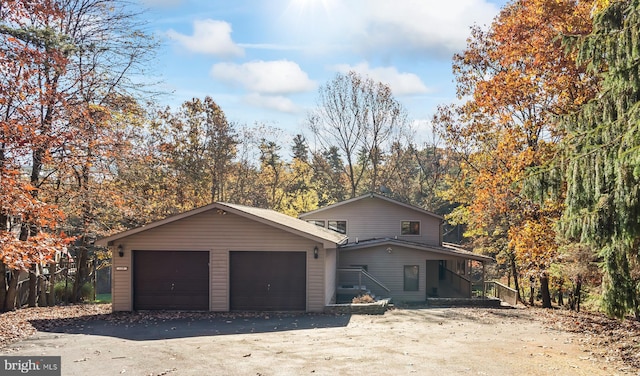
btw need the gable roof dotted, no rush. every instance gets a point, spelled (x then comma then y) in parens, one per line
(372, 195)
(269, 217)
(446, 248)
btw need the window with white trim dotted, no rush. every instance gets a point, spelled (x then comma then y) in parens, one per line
(339, 226)
(410, 228)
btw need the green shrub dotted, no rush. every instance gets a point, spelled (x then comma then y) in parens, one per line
(86, 291)
(59, 291)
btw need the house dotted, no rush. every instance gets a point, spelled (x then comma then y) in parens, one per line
(395, 250)
(228, 257)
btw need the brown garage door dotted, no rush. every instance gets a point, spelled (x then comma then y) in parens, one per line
(174, 280)
(268, 281)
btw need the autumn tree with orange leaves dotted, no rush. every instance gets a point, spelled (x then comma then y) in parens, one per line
(66, 80)
(514, 79)
(32, 59)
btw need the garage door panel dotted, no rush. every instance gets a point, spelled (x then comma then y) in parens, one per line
(268, 281)
(171, 302)
(172, 280)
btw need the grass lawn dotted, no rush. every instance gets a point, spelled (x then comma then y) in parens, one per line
(103, 298)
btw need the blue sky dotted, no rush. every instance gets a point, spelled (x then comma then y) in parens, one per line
(263, 61)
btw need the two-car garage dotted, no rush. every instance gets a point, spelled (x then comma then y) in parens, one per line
(258, 281)
(224, 257)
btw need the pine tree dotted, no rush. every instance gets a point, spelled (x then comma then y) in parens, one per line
(602, 163)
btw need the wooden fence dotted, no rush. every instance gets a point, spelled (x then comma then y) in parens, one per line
(64, 275)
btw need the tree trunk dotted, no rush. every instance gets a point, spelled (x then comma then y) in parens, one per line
(516, 285)
(3, 283)
(26, 231)
(53, 270)
(544, 290)
(577, 293)
(42, 291)
(560, 297)
(81, 273)
(4, 226)
(33, 286)
(531, 292)
(12, 292)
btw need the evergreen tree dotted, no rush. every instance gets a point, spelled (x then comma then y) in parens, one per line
(602, 163)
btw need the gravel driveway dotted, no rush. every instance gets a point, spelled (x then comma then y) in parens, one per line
(442, 341)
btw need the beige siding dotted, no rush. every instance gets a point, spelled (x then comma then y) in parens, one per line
(219, 280)
(219, 233)
(371, 218)
(315, 282)
(388, 268)
(121, 280)
(330, 276)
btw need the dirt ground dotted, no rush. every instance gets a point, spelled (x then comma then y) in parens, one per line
(421, 341)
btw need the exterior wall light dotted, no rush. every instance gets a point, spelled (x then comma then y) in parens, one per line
(120, 250)
(315, 252)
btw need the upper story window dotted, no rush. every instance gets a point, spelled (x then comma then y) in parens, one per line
(339, 226)
(316, 222)
(410, 228)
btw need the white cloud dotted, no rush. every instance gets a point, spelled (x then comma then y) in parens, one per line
(272, 102)
(400, 83)
(392, 28)
(418, 25)
(209, 37)
(266, 77)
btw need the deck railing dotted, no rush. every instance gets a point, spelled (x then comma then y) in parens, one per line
(459, 283)
(502, 292)
(361, 280)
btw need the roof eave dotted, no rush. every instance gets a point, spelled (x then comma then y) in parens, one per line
(329, 241)
(440, 250)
